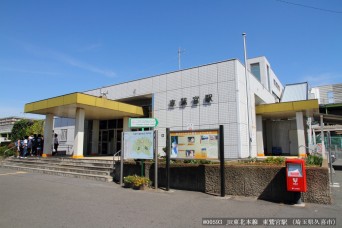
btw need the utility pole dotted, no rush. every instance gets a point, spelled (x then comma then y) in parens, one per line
(249, 122)
(180, 51)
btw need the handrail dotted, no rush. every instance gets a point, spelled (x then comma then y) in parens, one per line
(313, 150)
(115, 155)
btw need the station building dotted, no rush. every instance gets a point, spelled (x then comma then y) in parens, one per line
(247, 103)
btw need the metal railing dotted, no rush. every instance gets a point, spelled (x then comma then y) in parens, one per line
(66, 147)
(116, 155)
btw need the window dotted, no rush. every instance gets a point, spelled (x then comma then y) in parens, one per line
(331, 97)
(64, 135)
(255, 69)
(276, 84)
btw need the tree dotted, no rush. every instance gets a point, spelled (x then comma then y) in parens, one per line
(36, 128)
(19, 130)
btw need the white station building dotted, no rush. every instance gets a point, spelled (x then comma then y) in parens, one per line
(256, 122)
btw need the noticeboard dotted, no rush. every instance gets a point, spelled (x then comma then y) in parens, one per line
(201, 144)
(294, 170)
(138, 145)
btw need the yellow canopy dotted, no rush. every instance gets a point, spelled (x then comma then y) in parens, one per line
(95, 107)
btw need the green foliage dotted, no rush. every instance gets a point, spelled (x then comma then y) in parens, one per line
(275, 160)
(268, 161)
(6, 151)
(19, 130)
(129, 179)
(137, 181)
(201, 162)
(36, 128)
(314, 160)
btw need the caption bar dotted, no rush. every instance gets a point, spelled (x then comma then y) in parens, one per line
(269, 221)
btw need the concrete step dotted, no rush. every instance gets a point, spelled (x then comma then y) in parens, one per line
(90, 163)
(80, 165)
(104, 178)
(73, 169)
(81, 168)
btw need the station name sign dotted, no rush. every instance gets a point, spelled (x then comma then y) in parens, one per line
(142, 122)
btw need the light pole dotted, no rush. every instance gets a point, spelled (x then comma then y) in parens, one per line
(247, 96)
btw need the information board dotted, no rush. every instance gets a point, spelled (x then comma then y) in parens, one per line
(194, 144)
(138, 145)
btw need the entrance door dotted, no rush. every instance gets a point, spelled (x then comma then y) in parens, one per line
(293, 141)
(103, 142)
(109, 141)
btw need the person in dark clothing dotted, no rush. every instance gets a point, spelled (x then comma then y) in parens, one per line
(55, 145)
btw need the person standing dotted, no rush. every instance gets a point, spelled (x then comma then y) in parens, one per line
(18, 152)
(25, 142)
(40, 144)
(55, 144)
(34, 145)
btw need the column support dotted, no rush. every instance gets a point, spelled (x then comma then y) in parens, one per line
(48, 127)
(79, 133)
(125, 124)
(300, 134)
(259, 136)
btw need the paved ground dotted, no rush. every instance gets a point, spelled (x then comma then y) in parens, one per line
(38, 200)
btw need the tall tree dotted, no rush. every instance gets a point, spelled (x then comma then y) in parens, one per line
(19, 129)
(36, 128)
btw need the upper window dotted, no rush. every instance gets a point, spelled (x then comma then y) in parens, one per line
(331, 97)
(255, 69)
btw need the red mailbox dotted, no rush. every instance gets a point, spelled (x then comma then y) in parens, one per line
(295, 175)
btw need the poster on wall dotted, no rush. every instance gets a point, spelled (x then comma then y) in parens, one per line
(138, 145)
(194, 144)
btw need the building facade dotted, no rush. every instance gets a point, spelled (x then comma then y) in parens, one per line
(202, 97)
(6, 125)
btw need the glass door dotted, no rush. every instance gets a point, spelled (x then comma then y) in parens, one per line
(109, 141)
(103, 142)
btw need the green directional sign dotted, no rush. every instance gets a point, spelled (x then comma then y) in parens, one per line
(142, 122)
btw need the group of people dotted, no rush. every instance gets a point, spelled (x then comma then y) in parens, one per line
(30, 146)
(33, 146)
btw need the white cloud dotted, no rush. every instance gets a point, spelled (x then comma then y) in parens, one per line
(69, 60)
(85, 66)
(322, 79)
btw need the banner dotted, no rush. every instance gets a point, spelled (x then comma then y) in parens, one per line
(138, 145)
(194, 144)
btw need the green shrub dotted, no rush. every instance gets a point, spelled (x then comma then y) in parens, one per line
(136, 181)
(129, 179)
(314, 160)
(6, 152)
(275, 160)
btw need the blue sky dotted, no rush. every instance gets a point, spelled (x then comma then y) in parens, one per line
(51, 48)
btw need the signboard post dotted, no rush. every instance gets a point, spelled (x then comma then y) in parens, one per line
(167, 159)
(195, 144)
(136, 145)
(221, 147)
(156, 160)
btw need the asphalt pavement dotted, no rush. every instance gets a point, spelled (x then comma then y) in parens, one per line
(38, 200)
